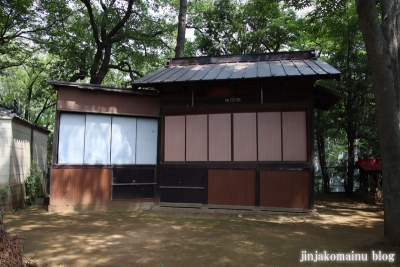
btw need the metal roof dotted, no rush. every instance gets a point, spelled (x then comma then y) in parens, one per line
(85, 86)
(238, 67)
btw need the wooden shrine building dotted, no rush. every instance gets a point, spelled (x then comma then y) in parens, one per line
(205, 132)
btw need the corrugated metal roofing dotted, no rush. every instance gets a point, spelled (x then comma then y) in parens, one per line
(84, 86)
(219, 68)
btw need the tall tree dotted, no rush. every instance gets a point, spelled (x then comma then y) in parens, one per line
(236, 27)
(21, 21)
(381, 36)
(180, 39)
(320, 137)
(24, 88)
(353, 116)
(114, 35)
(106, 32)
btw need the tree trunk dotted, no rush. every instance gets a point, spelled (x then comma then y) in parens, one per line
(320, 138)
(387, 120)
(94, 79)
(391, 32)
(180, 40)
(350, 163)
(102, 71)
(28, 102)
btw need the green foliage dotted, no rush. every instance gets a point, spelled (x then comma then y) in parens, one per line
(60, 40)
(23, 23)
(25, 88)
(97, 45)
(33, 184)
(349, 129)
(3, 191)
(236, 27)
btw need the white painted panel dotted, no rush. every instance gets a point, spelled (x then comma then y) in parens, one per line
(97, 139)
(123, 144)
(146, 152)
(71, 138)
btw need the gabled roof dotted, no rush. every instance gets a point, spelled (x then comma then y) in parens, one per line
(239, 67)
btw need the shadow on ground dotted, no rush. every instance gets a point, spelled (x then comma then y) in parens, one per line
(187, 238)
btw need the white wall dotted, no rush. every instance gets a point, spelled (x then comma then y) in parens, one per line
(20, 153)
(5, 150)
(15, 138)
(40, 149)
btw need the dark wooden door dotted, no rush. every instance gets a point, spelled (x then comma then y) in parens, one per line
(182, 185)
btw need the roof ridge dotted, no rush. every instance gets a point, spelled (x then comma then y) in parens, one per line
(286, 55)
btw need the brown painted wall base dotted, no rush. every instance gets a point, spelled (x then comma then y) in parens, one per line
(80, 187)
(284, 189)
(112, 206)
(231, 187)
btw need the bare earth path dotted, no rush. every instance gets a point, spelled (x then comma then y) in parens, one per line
(189, 238)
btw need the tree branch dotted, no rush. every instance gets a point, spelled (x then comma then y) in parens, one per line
(122, 22)
(92, 21)
(121, 66)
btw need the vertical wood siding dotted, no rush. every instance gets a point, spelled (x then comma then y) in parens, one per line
(219, 130)
(80, 186)
(174, 138)
(294, 135)
(245, 137)
(107, 102)
(269, 136)
(196, 138)
(288, 189)
(231, 187)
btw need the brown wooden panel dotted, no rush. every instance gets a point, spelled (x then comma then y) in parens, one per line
(285, 189)
(229, 108)
(244, 137)
(174, 138)
(231, 187)
(294, 136)
(219, 143)
(220, 92)
(80, 186)
(269, 136)
(196, 138)
(107, 102)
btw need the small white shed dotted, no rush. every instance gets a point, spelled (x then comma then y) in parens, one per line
(16, 135)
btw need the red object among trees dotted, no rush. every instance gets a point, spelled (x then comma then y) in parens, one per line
(369, 165)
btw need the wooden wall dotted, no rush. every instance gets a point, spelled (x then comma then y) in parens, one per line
(80, 186)
(219, 133)
(175, 138)
(231, 187)
(196, 137)
(245, 137)
(294, 134)
(286, 189)
(239, 137)
(269, 136)
(107, 102)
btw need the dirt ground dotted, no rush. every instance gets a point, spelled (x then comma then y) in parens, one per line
(174, 238)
